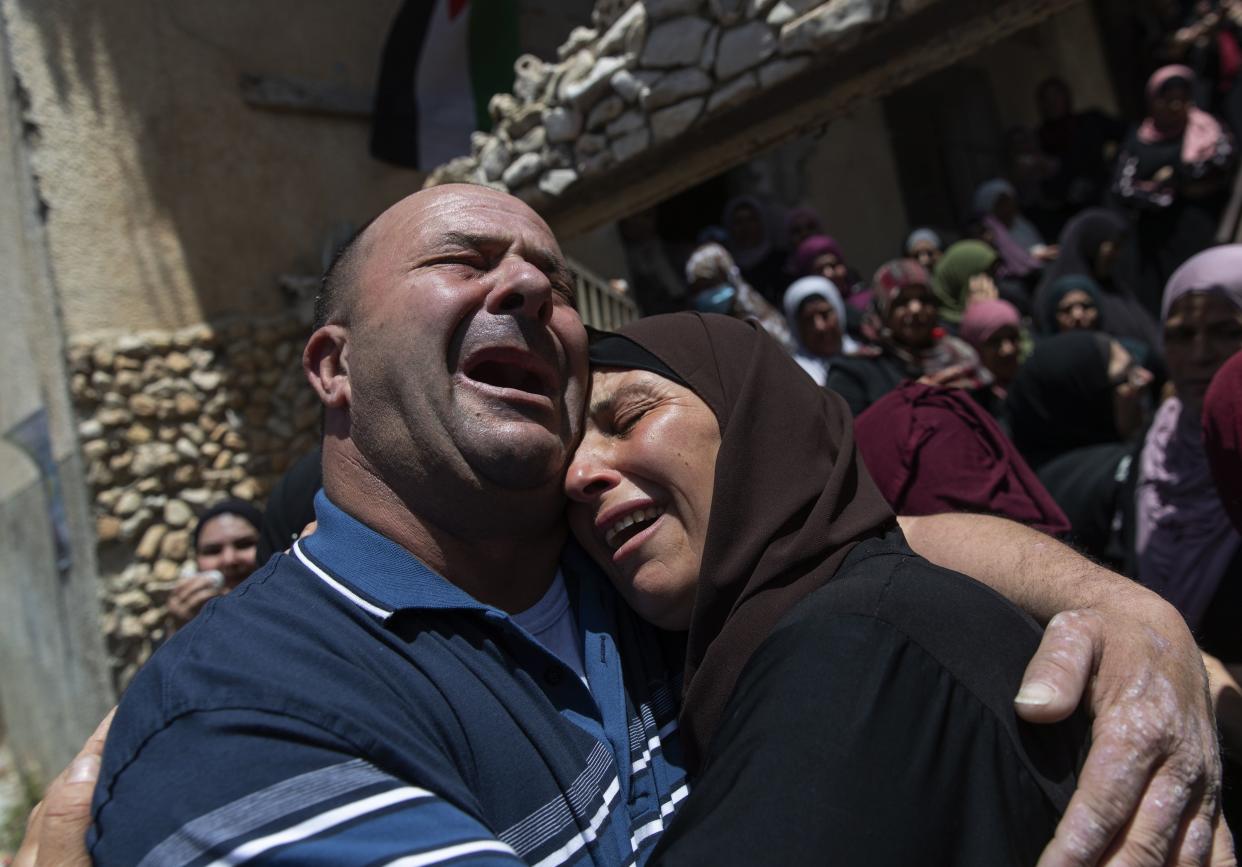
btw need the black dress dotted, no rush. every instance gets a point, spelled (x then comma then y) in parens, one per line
(863, 381)
(875, 726)
(1175, 222)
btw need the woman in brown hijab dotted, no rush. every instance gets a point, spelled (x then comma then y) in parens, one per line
(845, 701)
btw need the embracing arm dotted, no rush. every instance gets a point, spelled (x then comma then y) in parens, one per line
(1150, 785)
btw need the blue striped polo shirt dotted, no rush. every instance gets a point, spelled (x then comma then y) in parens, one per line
(347, 705)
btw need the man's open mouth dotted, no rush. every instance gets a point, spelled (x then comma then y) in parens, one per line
(513, 369)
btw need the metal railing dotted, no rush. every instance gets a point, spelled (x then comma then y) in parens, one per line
(600, 305)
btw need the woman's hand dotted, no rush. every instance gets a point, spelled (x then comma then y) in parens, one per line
(190, 595)
(1148, 793)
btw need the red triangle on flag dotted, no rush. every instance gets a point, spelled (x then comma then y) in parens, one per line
(456, 7)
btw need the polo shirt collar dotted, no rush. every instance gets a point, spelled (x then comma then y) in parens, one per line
(374, 569)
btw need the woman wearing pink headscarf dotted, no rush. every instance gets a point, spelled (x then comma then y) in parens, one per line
(1173, 176)
(1188, 551)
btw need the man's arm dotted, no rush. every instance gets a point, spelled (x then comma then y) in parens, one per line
(1149, 790)
(236, 786)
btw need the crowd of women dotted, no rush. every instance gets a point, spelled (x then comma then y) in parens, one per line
(1059, 384)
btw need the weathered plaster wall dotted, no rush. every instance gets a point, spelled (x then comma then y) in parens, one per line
(168, 199)
(852, 179)
(53, 685)
(1067, 45)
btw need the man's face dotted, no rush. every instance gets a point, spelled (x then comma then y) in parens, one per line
(466, 357)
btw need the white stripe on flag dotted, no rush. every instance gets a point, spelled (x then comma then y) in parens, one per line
(442, 88)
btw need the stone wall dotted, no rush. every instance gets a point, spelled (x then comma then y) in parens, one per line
(170, 423)
(645, 74)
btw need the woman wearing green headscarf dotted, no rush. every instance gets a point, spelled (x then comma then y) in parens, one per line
(964, 274)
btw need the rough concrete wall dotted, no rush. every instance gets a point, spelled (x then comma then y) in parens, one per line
(168, 199)
(54, 687)
(851, 176)
(1067, 45)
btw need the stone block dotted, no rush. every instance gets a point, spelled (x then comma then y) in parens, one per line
(736, 91)
(728, 12)
(107, 528)
(494, 159)
(143, 406)
(524, 169)
(627, 85)
(830, 24)
(176, 545)
(627, 123)
(590, 144)
(149, 547)
(532, 141)
(137, 434)
(584, 93)
(606, 110)
(677, 86)
(630, 145)
(579, 38)
(675, 42)
(659, 9)
(778, 70)
(707, 57)
(595, 164)
(178, 513)
(562, 124)
(626, 34)
(530, 77)
(668, 123)
(743, 48)
(557, 181)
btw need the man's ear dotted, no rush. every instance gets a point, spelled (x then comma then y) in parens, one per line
(326, 363)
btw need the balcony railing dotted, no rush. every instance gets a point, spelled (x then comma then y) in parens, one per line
(601, 306)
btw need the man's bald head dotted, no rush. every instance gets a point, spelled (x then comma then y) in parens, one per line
(339, 288)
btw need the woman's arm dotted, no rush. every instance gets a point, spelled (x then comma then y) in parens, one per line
(1154, 765)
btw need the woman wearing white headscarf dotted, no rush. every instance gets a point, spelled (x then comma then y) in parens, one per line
(816, 316)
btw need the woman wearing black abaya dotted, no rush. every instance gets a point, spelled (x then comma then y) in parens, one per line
(1076, 409)
(1173, 174)
(815, 635)
(1091, 246)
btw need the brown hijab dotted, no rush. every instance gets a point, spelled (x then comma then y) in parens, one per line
(791, 497)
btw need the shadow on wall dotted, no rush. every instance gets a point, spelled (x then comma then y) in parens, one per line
(169, 199)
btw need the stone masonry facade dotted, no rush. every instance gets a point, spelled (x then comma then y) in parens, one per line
(169, 424)
(644, 74)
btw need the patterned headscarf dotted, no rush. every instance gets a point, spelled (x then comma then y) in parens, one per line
(1185, 539)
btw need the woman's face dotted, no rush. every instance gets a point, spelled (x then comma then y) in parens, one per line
(926, 254)
(1171, 106)
(228, 543)
(819, 327)
(1077, 312)
(1001, 353)
(912, 317)
(828, 265)
(1128, 380)
(1202, 331)
(800, 229)
(1106, 258)
(640, 489)
(745, 227)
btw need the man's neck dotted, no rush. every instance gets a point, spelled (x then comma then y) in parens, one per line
(509, 571)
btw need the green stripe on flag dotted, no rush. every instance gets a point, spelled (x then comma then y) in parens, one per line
(493, 45)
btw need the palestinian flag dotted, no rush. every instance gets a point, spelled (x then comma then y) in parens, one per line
(442, 62)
